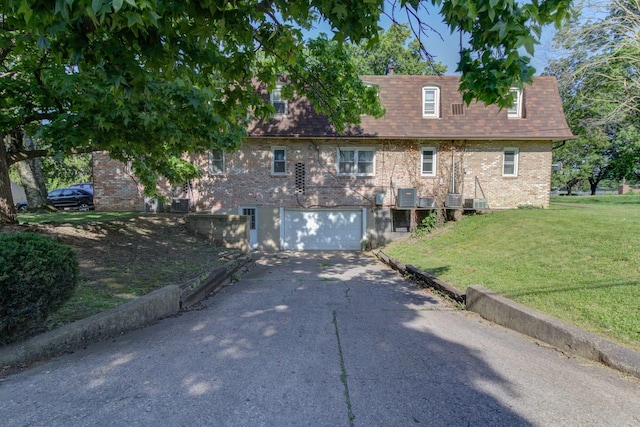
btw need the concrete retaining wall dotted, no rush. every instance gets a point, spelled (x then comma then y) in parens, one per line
(132, 315)
(229, 231)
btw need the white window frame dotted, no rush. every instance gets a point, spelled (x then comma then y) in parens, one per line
(276, 96)
(435, 114)
(274, 161)
(356, 156)
(434, 155)
(213, 170)
(516, 155)
(515, 111)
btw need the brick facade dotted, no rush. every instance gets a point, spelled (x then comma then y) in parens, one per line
(475, 166)
(471, 143)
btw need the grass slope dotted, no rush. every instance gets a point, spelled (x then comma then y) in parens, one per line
(578, 261)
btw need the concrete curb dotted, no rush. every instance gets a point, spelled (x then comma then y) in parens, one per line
(423, 278)
(517, 317)
(193, 292)
(527, 321)
(143, 311)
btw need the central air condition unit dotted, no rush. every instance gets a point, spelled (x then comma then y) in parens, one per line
(153, 205)
(180, 205)
(406, 198)
(476, 204)
(426, 202)
(453, 200)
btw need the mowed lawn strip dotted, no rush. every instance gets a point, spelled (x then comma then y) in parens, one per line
(578, 261)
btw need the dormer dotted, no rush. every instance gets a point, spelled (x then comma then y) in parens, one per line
(430, 102)
(515, 111)
(279, 103)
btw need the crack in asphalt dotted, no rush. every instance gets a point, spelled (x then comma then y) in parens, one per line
(343, 371)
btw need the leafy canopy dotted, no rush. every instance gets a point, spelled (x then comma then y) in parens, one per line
(396, 48)
(600, 87)
(150, 80)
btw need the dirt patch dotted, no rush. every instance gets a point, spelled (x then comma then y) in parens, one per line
(121, 260)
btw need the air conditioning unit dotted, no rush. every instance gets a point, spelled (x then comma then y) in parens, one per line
(426, 202)
(406, 198)
(476, 204)
(153, 205)
(453, 200)
(180, 205)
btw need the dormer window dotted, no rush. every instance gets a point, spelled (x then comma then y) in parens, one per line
(430, 102)
(278, 102)
(515, 111)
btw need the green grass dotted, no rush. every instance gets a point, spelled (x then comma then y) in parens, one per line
(579, 263)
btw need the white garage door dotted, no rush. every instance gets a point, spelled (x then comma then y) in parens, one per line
(306, 230)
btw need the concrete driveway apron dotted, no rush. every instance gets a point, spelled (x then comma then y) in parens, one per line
(319, 339)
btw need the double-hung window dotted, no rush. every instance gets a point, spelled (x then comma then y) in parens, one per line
(278, 161)
(510, 162)
(216, 162)
(515, 111)
(278, 102)
(356, 161)
(430, 102)
(428, 161)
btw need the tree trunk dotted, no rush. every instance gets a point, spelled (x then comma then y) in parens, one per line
(8, 213)
(593, 185)
(32, 178)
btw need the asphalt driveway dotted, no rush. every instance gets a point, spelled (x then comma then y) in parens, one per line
(319, 339)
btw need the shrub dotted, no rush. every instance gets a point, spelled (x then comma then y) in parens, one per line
(37, 276)
(427, 225)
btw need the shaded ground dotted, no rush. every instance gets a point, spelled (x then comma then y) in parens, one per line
(123, 259)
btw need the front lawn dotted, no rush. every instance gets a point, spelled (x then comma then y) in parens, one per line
(578, 261)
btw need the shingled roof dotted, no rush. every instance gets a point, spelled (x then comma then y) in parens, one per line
(401, 96)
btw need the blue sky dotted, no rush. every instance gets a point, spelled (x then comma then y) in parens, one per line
(445, 46)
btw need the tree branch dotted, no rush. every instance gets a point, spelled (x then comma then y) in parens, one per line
(19, 156)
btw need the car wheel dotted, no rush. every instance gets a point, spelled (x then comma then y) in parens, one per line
(83, 207)
(22, 208)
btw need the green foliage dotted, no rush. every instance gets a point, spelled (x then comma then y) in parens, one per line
(427, 225)
(396, 47)
(37, 276)
(62, 172)
(149, 81)
(600, 87)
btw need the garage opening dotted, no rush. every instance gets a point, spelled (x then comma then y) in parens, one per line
(321, 229)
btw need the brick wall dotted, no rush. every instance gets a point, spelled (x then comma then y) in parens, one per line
(248, 180)
(114, 189)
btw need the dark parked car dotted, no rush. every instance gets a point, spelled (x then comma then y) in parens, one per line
(66, 198)
(84, 185)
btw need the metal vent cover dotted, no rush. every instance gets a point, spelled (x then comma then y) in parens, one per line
(457, 109)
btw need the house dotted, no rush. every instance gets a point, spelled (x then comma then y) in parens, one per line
(305, 187)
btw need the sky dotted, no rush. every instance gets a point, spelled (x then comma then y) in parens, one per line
(445, 46)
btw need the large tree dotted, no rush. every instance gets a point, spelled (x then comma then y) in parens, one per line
(396, 47)
(599, 81)
(149, 80)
